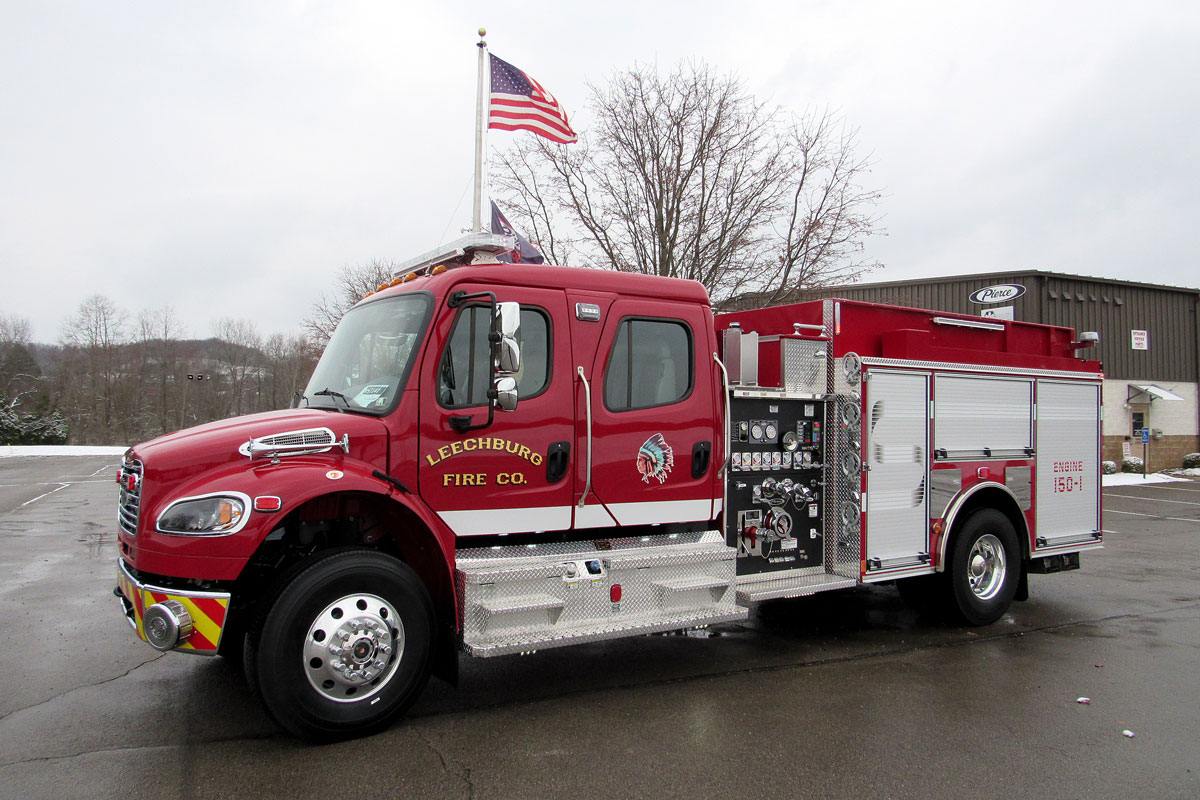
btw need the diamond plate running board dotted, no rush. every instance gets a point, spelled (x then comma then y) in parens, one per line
(522, 598)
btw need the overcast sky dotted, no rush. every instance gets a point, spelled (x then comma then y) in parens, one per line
(226, 158)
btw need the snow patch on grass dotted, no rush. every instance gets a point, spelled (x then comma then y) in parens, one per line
(1133, 479)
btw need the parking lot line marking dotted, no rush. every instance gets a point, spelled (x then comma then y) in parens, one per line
(1172, 488)
(47, 483)
(1152, 516)
(61, 486)
(1153, 499)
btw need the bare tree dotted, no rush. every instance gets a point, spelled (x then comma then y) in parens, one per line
(239, 354)
(352, 284)
(291, 359)
(688, 175)
(159, 349)
(93, 337)
(21, 379)
(828, 214)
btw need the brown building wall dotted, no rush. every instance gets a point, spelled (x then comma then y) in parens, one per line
(1164, 453)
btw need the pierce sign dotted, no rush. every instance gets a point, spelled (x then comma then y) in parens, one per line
(1000, 293)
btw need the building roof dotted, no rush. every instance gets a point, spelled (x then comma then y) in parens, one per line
(1000, 276)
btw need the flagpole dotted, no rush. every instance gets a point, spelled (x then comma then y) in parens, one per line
(480, 135)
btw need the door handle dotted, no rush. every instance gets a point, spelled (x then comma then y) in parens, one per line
(701, 454)
(558, 455)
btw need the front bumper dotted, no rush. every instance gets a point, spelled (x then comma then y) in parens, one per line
(205, 612)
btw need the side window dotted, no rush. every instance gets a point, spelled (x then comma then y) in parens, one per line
(650, 365)
(463, 375)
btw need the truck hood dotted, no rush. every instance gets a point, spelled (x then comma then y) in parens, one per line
(176, 456)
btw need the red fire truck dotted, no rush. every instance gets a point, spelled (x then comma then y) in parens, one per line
(497, 458)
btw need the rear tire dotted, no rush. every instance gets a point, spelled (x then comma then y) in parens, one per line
(984, 567)
(344, 648)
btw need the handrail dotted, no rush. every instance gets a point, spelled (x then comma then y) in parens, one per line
(587, 399)
(725, 422)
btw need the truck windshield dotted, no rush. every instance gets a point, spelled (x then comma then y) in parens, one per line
(369, 356)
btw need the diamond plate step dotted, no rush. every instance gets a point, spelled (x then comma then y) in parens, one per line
(751, 593)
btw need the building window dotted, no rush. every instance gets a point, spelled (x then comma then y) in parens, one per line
(1139, 422)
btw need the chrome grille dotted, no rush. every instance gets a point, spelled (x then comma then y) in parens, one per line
(321, 437)
(130, 500)
(313, 440)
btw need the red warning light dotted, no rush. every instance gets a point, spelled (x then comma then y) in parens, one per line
(614, 593)
(267, 503)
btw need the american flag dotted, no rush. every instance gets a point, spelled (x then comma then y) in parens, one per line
(518, 102)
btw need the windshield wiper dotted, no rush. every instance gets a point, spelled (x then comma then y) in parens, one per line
(327, 392)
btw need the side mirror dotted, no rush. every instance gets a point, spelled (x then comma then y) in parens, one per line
(508, 325)
(509, 317)
(505, 391)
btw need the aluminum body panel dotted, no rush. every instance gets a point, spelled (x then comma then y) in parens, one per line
(843, 486)
(1019, 480)
(944, 486)
(803, 364)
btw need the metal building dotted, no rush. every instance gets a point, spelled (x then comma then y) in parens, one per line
(1149, 342)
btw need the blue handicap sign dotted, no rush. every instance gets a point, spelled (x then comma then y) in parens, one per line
(1145, 436)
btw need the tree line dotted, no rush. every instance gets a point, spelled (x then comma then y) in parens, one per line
(113, 378)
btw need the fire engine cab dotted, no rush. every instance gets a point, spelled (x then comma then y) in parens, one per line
(497, 458)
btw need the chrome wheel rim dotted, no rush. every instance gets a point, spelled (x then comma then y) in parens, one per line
(986, 567)
(353, 647)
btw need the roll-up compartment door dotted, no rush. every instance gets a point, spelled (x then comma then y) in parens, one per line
(1068, 462)
(980, 417)
(897, 456)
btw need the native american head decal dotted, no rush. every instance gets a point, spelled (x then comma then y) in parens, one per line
(655, 459)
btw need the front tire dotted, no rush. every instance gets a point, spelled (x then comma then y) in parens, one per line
(984, 566)
(345, 647)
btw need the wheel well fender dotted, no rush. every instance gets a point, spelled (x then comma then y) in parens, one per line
(987, 494)
(385, 520)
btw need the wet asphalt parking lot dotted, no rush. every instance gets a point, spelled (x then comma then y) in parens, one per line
(845, 694)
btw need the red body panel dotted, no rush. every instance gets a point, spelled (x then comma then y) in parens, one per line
(880, 331)
(205, 459)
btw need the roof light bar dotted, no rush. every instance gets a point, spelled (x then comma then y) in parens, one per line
(467, 249)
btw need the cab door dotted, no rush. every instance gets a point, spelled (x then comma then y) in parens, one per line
(512, 476)
(653, 415)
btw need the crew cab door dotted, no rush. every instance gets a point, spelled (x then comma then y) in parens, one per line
(653, 410)
(513, 475)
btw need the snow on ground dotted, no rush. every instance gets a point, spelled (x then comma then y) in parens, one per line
(1192, 472)
(8, 450)
(1133, 479)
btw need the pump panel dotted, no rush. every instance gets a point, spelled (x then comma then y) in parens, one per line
(775, 494)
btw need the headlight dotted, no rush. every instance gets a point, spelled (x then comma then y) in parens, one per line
(204, 516)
